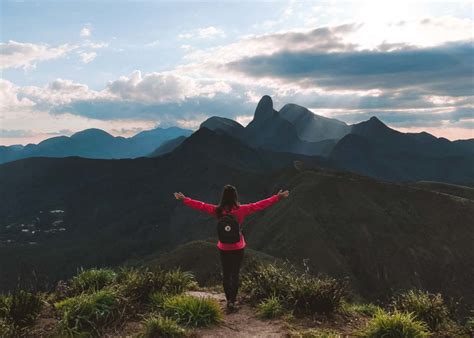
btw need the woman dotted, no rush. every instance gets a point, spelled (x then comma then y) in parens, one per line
(231, 253)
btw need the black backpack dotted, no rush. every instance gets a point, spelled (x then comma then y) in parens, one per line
(228, 229)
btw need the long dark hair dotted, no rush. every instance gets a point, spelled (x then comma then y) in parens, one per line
(229, 200)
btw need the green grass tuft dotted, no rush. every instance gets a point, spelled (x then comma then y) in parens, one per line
(270, 308)
(192, 311)
(427, 307)
(157, 300)
(177, 281)
(158, 326)
(397, 324)
(367, 309)
(137, 285)
(300, 292)
(88, 313)
(92, 280)
(20, 309)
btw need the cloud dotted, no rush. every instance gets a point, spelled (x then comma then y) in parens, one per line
(15, 54)
(441, 70)
(209, 32)
(163, 87)
(87, 57)
(86, 31)
(324, 39)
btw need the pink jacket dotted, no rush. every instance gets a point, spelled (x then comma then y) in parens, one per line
(240, 212)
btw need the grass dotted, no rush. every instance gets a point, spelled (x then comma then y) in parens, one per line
(396, 324)
(366, 309)
(88, 313)
(177, 281)
(300, 292)
(158, 326)
(92, 280)
(270, 308)
(138, 284)
(157, 300)
(192, 311)
(427, 307)
(20, 309)
(315, 333)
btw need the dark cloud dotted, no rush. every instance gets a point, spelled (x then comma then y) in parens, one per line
(442, 70)
(166, 113)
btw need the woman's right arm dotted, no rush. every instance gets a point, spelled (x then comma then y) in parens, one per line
(195, 204)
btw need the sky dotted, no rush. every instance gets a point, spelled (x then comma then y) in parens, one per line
(128, 66)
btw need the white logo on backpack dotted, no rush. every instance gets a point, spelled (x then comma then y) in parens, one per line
(227, 228)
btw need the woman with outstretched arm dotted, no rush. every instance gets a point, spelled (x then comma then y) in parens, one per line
(230, 214)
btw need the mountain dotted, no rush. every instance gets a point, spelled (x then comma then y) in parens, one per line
(268, 130)
(167, 146)
(312, 127)
(374, 149)
(94, 143)
(225, 125)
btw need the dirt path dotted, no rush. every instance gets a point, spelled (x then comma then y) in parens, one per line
(243, 323)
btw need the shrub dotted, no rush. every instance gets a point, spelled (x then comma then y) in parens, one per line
(137, 285)
(158, 326)
(266, 281)
(427, 307)
(270, 308)
(177, 281)
(320, 295)
(92, 280)
(88, 313)
(299, 291)
(397, 324)
(21, 308)
(192, 311)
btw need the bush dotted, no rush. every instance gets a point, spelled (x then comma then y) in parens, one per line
(92, 280)
(266, 281)
(397, 324)
(157, 326)
(88, 313)
(192, 311)
(427, 307)
(177, 281)
(298, 291)
(270, 308)
(137, 285)
(20, 309)
(320, 295)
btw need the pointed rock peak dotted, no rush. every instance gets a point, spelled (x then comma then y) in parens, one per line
(264, 108)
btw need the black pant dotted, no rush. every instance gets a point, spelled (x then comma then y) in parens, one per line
(231, 261)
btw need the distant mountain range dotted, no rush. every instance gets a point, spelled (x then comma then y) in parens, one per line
(370, 147)
(94, 143)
